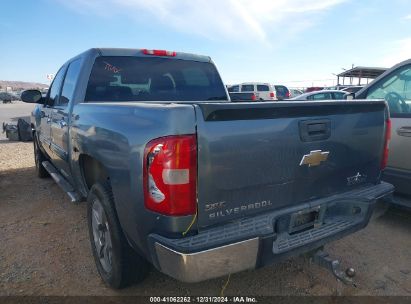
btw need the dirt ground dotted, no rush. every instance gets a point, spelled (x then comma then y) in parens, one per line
(44, 249)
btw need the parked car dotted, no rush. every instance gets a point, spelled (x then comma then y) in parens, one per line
(312, 89)
(337, 87)
(352, 89)
(7, 97)
(322, 95)
(239, 97)
(177, 176)
(295, 93)
(395, 87)
(233, 88)
(262, 91)
(282, 92)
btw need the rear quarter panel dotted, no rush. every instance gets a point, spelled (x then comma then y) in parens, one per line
(115, 134)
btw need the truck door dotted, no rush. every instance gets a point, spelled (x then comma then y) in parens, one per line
(60, 139)
(44, 129)
(395, 88)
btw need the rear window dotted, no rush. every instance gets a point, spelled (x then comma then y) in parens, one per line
(263, 88)
(153, 79)
(282, 90)
(247, 88)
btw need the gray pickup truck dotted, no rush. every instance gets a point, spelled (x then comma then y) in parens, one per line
(177, 176)
(395, 87)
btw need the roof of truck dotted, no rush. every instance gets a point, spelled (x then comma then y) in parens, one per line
(139, 53)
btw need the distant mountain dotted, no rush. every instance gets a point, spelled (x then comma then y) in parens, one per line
(21, 85)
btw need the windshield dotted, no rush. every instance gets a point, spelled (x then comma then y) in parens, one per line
(153, 79)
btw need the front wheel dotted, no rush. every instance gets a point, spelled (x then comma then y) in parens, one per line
(117, 263)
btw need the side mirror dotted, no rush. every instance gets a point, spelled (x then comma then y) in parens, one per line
(32, 96)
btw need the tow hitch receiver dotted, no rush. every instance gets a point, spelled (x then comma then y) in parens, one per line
(323, 259)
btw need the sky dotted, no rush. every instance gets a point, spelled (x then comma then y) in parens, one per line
(293, 42)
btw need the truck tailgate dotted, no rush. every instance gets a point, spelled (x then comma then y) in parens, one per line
(258, 157)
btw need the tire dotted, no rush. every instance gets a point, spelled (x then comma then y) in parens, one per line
(38, 159)
(120, 265)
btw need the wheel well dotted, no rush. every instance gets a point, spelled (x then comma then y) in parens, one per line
(92, 170)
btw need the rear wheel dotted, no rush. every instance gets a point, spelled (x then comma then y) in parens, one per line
(117, 263)
(39, 158)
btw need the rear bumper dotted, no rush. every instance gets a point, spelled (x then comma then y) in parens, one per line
(264, 239)
(206, 264)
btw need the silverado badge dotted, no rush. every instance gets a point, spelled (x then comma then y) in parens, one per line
(356, 179)
(314, 158)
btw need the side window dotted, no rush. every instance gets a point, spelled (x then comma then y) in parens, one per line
(69, 83)
(338, 95)
(247, 88)
(396, 90)
(54, 90)
(321, 96)
(263, 88)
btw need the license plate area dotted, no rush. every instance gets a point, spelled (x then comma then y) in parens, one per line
(305, 219)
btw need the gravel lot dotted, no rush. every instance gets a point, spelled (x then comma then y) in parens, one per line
(44, 246)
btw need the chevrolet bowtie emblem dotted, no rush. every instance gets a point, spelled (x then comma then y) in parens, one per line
(314, 158)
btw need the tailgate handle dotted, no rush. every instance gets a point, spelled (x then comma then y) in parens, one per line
(316, 129)
(312, 130)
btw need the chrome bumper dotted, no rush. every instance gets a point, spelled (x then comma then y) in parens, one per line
(208, 264)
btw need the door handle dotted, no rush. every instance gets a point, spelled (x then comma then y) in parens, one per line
(404, 131)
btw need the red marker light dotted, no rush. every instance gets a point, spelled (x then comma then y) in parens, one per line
(159, 53)
(387, 139)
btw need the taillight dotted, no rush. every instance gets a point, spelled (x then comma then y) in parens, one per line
(384, 160)
(253, 97)
(159, 53)
(272, 95)
(170, 175)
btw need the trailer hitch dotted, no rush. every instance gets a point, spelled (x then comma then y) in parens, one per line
(323, 259)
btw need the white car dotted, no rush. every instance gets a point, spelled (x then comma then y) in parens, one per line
(262, 91)
(321, 95)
